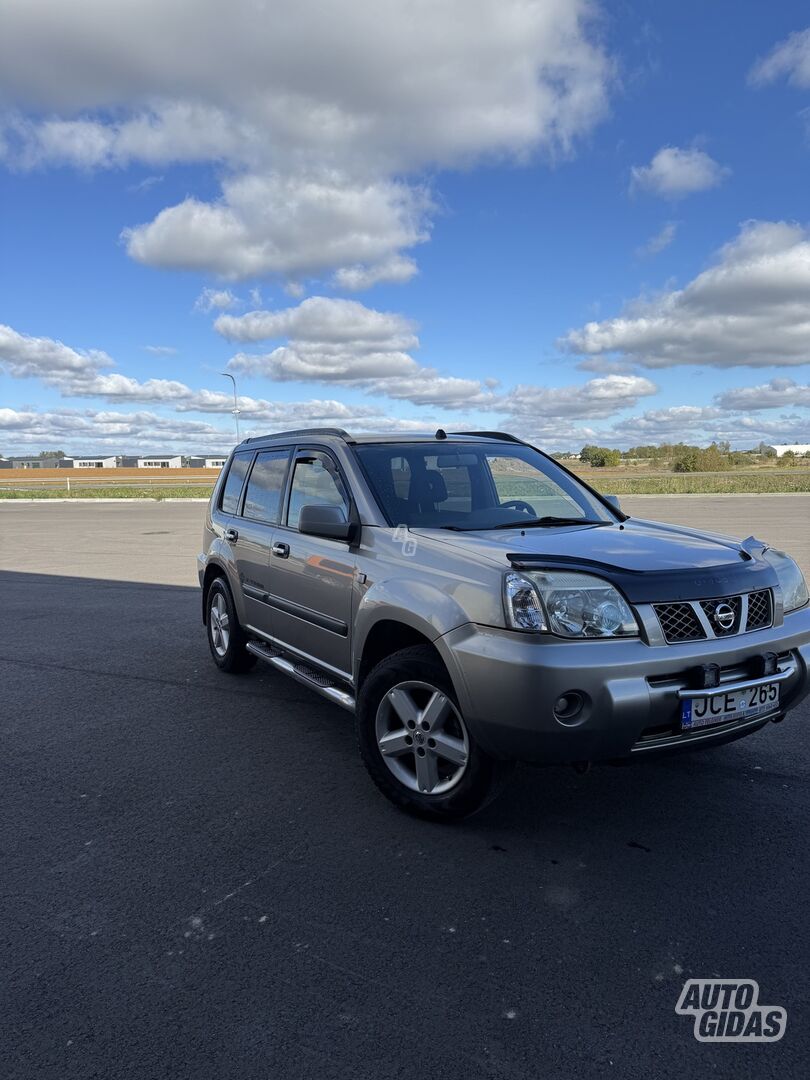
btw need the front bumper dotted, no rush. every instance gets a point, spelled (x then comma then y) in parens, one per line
(507, 684)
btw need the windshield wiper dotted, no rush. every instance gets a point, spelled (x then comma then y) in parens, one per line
(547, 522)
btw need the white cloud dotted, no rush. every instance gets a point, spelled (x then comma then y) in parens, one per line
(215, 300)
(748, 309)
(594, 399)
(343, 341)
(87, 430)
(675, 423)
(330, 340)
(83, 431)
(320, 362)
(704, 424)
(161, 350)
(396, 270)
(789, 58)
(31, 357)
(145, 184)
(174, 132)
(429, 82)
(117, 387)
(322, 114)
(77, 373)
(675, 172)
(660, 240)
(321, 319)
(289, 225)
(603, 366)
(776, 394)
(428, 387)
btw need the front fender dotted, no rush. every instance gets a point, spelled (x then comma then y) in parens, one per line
(417, 604)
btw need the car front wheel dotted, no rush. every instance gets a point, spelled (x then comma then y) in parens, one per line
(415, 743)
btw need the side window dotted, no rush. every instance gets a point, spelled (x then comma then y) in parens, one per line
(263, 495)
(315, 482)
(229, 503)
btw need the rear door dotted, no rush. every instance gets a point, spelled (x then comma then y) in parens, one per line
(312, 578)
(259, 515)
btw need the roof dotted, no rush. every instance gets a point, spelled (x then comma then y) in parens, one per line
(339, 434)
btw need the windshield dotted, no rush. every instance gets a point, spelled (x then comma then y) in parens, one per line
(475, 486)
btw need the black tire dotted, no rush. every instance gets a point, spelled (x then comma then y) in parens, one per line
(231, 655)
(482, 777)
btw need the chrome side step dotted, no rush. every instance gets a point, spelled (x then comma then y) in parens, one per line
(318, 681)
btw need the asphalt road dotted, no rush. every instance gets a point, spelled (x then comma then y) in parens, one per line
(198, 880)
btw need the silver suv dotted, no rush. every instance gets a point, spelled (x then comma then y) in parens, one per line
(473, 603)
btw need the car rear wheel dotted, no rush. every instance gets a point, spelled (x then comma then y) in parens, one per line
(415, 743)
(226, 638)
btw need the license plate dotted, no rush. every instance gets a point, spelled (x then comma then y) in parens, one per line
(723, 706)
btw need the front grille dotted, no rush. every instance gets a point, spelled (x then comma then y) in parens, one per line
(679, 622)
(712, 609)
(760, 610)
(686, 621)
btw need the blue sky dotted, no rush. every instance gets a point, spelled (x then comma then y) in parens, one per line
(579, 223)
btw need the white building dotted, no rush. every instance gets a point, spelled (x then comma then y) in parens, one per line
(160, 462)
(215, 462)
(95, 463)
(797, 448)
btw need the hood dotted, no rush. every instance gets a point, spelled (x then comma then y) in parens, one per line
(648, 560)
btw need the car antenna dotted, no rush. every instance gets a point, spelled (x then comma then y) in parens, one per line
(441, 433)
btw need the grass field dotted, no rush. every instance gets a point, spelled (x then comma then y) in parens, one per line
(610, 481)
(751, 483)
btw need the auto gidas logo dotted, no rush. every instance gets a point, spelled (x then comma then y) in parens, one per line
(728, 1010)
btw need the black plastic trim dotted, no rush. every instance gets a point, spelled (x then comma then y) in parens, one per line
(298, 611)
(663, 586)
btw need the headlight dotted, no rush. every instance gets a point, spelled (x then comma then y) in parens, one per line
(572, 605)
(791, 579)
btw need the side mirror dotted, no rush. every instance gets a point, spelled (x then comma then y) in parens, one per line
(613, 500)
(327, 521)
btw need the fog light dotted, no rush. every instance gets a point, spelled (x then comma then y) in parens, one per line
(568, 706)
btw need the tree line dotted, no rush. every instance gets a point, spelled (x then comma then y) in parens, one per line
(683, 457)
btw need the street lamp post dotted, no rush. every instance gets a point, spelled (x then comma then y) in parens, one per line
(228, 375)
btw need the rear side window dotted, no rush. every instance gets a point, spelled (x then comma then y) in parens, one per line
(234, 482)
(265, 485)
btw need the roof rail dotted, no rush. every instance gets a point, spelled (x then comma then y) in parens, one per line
(504, 436)
(336, 431)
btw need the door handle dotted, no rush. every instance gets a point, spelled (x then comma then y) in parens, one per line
(231, 535)
(281, 551)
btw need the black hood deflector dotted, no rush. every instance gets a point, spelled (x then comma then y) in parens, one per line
(664, 586)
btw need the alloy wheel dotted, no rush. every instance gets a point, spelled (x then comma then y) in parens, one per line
(219, 624)
(422, 738)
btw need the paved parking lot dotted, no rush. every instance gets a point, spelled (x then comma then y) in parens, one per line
(198, 880)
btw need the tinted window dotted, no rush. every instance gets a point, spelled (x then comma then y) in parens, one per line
(315, 483)
(233, 483)
(263, 495)
(471, 486)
